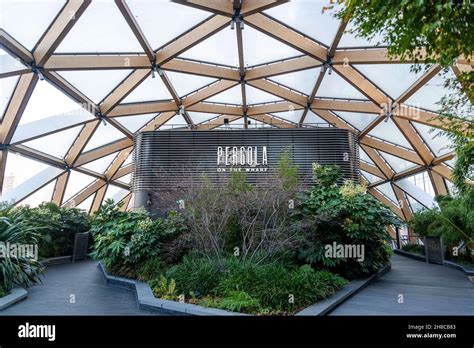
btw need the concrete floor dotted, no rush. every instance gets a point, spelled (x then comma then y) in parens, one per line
(427, 289)
(83, 281)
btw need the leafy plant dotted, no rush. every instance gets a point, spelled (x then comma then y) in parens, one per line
(57, 227)
(123, 239)
(164, 288)
(414, 248)
(344, 215)
(21, 270)
(195, 275)
(452, 221)
(278, 287)
(239, 301)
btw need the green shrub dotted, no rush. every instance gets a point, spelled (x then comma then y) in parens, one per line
(279, 288)
(124, 239)
(414, 248)
(239, 301)
(452, 221)
(21, 270)
(57, 227)
(149, 269)
(344, 214)
(195, 275)
(164, 289)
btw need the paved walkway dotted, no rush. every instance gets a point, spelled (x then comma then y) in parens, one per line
(427, 289)
(83, 280)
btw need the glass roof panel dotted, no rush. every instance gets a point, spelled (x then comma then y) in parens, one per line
(199, 117)
(257, 96)
(101, 28)
(220, 48)
(128, 160)
(422, 181)
(364, 157)
(42, 195)
(293, 116)
(428, 96)
(313, 119)
(334, 86)
(162, 21)
(230, 96)
(439, 143)
(149, 90)
(100, 165)
(302, 81)
(126, 179)
(8, 63)
(387, 191)
(86, 204)
(76, 182)
(7, 86)
(16, 173)
(104, 134)
(177, 121)
(135, 122)
(398, 164)
(185, 83)
(414, 204)
(46, 100)
(387, 130)
(307, 16)
(116, 193)
(387, 77)
(27, 20)
(56, 144)
(370, 177)
(356, 119)
(95, 84)
(260, 48)
(349, 39)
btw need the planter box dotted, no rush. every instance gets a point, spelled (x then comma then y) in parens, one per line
(17, 294)
(147, 301)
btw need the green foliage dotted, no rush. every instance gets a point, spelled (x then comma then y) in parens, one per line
(22, 270)
(414, 248)
(287, 171)
(453, 221)
(164, 289)
(124, 239)
(278, 287)
(346, 215)
(57, 227)
(251, 287)
(239, 301)
(195, 275)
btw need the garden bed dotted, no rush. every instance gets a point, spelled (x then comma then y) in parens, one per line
(147, 301)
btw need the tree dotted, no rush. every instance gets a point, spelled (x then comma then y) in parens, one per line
(433, 32)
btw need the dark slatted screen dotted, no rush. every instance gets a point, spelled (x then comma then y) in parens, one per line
(166, 159)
